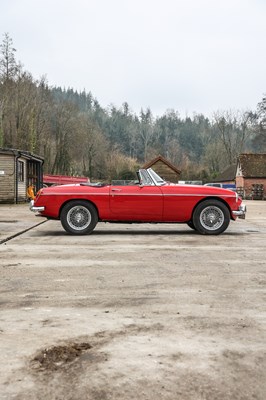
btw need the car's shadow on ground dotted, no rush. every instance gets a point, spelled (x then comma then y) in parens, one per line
(117, 233)
(137, 232)
(142, 232)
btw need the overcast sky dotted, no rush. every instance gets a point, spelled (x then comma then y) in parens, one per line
(187, 55)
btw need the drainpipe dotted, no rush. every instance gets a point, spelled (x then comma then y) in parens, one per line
(41, 175)
(16, 155)
(16, 178)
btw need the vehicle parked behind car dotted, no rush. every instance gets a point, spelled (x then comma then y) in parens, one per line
(230, 186)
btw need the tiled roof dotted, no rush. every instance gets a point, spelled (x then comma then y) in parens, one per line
(253, 165)
(162, 159)
(229, 174)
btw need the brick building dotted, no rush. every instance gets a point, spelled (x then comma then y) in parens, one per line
(251, 175)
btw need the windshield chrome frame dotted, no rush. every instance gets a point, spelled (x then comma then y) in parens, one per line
(146, 178)
(159, 181)
(153, 177)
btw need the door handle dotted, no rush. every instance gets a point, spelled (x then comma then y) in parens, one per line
(116, 190)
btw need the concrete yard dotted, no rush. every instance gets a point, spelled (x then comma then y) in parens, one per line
(132, 311)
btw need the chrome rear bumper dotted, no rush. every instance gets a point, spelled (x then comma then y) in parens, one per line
(241, 212)
(35, 209)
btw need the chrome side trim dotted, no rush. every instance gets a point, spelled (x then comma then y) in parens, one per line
(75, 194)
(141, 194)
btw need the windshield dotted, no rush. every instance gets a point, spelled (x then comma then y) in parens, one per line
(148, 177)
(145, 178)
(158, 180)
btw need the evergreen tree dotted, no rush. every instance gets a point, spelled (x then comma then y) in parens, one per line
(8, 65)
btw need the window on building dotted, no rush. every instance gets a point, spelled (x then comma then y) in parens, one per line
(21, 171)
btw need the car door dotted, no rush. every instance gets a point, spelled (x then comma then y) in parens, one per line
(136, 203)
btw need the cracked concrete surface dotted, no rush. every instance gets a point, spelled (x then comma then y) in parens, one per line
(132, 311)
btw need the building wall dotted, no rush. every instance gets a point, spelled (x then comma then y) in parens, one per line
(18, 170)
(246, 184)
(239, 181)
(7, 178)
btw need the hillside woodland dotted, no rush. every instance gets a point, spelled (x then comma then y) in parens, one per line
(77, 136)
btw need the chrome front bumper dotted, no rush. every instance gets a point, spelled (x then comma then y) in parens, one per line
(241, 212)
(35, 209)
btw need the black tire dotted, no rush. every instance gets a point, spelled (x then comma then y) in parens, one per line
(191, 225)
(79, 217)
(211, 217)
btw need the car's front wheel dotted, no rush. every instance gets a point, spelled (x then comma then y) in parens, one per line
(211, 217)
(79, 217)
(191, 225)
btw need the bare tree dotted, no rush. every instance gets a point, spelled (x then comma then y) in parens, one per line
(234, 128)
(89, 155)
(259, 140)
(63, 128)
(146, 130)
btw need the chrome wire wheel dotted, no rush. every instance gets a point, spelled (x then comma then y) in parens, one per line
(79, 218)
(211, 218)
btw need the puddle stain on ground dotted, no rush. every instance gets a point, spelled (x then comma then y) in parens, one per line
(51, 359)
(62, 357)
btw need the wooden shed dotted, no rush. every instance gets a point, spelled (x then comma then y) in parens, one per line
(164, 168)
(18, 170)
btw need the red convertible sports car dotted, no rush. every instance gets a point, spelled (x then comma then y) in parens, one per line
(207, 210)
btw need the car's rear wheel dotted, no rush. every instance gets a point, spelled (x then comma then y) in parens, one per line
(211, 217)
(79, 217)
